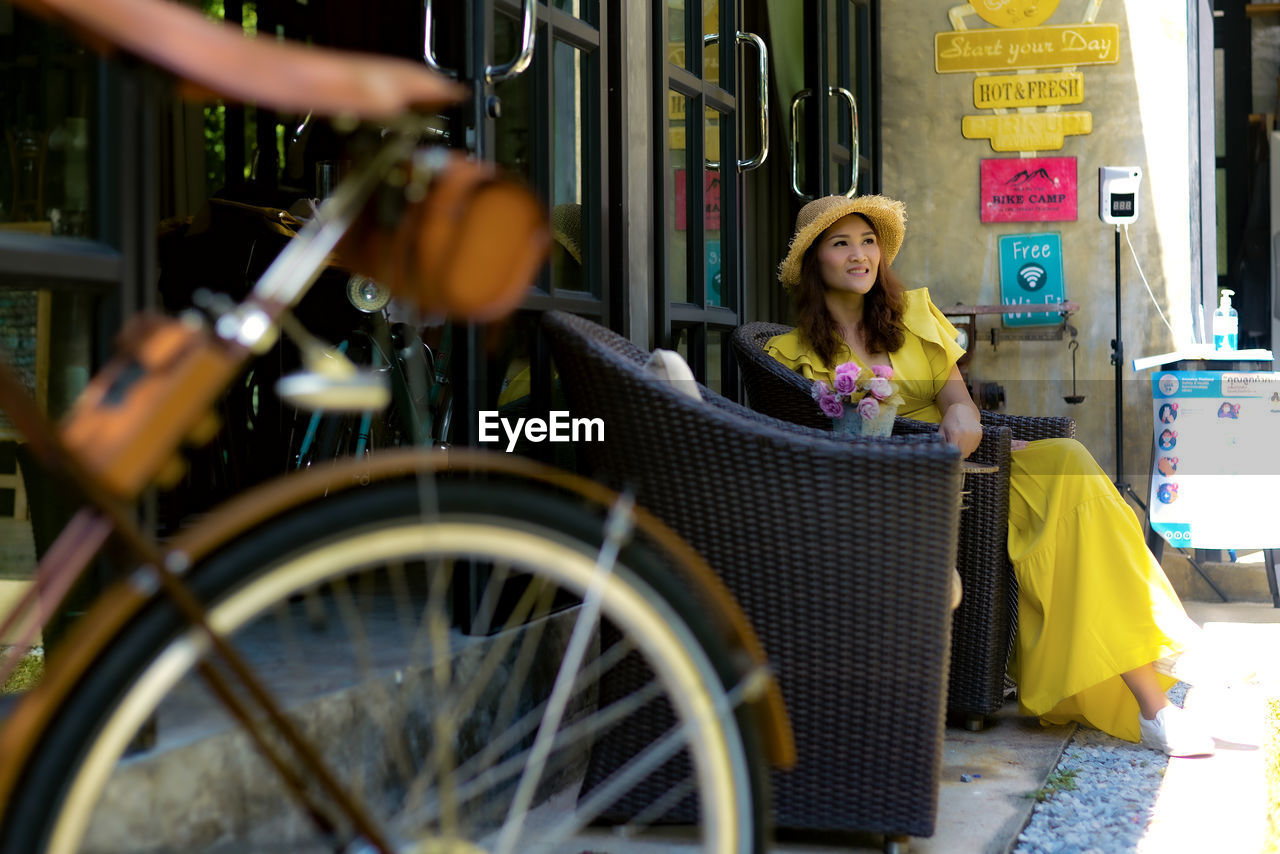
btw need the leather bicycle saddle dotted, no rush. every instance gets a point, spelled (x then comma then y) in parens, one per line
(215, 60)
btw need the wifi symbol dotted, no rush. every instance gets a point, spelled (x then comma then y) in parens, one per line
(1032, 277)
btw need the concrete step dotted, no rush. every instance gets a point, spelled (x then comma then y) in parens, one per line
(1244, 580)
(204, 781)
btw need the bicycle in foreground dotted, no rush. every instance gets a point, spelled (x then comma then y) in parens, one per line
(298, 647)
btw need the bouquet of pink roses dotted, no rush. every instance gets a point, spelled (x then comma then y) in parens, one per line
(865, 389)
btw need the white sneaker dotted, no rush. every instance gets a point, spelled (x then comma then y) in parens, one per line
(1176, 733)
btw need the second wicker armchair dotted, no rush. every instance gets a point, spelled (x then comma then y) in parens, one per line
(985, 623)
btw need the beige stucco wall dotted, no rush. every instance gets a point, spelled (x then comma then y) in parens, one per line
(1139, 118)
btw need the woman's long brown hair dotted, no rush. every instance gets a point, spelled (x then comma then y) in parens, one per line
(881, 309)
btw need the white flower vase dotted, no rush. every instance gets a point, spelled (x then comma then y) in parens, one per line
(853, 424)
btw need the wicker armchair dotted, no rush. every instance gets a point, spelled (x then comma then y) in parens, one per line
(839, 553)
(984, 624)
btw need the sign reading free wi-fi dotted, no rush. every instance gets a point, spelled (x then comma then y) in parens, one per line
(1030, 273)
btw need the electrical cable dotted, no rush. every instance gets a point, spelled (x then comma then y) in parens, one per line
(1154, 301)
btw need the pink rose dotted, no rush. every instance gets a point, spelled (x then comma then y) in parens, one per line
(831, 405)
(820, 390)
(845, 382)
(868, 408)
(884, 372)
(880, 388)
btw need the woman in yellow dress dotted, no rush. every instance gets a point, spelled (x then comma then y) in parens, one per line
(1096, 614)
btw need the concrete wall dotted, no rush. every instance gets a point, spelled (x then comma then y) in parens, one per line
(1140, 117)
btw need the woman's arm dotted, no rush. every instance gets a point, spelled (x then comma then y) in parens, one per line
(960, 423)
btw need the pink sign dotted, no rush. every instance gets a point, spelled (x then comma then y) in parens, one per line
(711, 198)
(1029, 189)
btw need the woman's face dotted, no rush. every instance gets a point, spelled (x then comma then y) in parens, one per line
(849, 255)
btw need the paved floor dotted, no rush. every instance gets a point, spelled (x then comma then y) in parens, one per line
(1219, 803)
(1204, 805)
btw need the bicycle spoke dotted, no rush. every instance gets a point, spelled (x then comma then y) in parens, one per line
(642, 765)
(617, 530)
(534, 596)
(488, 777)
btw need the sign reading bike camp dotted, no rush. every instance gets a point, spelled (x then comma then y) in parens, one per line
(1029, 189)
(1019, 41)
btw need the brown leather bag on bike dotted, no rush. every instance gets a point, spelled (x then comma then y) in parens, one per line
(469, 248)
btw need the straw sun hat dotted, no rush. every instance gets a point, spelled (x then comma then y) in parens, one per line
(887, 216)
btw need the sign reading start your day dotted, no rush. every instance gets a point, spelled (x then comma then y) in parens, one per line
(1032, 47)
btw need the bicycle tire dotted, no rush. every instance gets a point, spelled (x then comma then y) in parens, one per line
(318, 550)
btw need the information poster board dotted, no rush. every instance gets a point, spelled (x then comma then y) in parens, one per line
(1216, 473)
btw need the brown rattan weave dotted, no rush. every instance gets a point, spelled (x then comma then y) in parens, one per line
(838, 551)
(985, 623)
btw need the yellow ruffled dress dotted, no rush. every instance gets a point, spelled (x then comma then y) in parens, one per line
(1092, 600)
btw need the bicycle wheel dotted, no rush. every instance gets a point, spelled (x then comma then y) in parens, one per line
(343, 608)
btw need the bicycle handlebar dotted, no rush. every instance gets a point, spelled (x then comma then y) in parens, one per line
(215, 60)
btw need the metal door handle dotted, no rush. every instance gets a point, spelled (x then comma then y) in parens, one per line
(517, 66)
(854, 141)
(794, 142)
(757, 161)
(854, 147)
(428, 53)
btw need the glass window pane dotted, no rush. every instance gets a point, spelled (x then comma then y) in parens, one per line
(1221, 211)
(716, 351)
(677, 200)
(1219, 102)
(680, 342)
(47, 109)
(711, 51)
(587, 10)
(711, 211)
(30, 324)
(568, 261)
(676, 53)
(514, 140)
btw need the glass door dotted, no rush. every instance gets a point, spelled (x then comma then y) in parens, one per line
(825, 144)
(833, 119)
(538, 70)
(711, 94)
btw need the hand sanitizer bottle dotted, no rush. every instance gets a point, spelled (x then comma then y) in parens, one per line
(1226, 323)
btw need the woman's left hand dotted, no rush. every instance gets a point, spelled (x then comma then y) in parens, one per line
(960, 427)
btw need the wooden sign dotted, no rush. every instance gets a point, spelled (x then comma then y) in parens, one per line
(1027, 131)
(1014, 13)
(1010, 91)
(1031, 48)
(1029, 189)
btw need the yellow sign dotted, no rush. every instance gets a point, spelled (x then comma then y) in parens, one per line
(1014, 13)
(1034, 47)
(1028, 90)
(1027, 131)
(710, 141)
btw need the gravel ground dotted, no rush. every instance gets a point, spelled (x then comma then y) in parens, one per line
(1100, 797)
